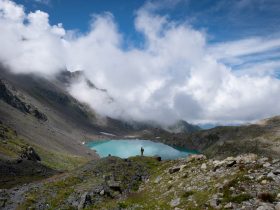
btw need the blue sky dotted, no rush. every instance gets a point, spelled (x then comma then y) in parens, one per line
(208, 62)
(223, 20)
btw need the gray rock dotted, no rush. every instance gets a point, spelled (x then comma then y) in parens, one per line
(277, 207)
(215, 203)
(174, 169)
(19, 160)
(203, 166)
(157, 157)
(114, 185)
(218, 164)
(275, 160)
(31, 154)
(265, 208)
(228, 206)
(245, 203)
(85, 201)
(182, 167)
(270, 175)
(266, 165)
(158, 179)
(106, 177)
(231, 163)
(276, 172)
(175, 202)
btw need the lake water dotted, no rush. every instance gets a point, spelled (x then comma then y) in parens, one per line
(127, 148)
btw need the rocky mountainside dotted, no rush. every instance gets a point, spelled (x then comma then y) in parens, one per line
(125, 125)
(262, 138)
(245, 182)
(43, 112)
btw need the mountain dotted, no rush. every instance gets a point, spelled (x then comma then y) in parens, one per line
(43, 112)
(262, 138)
(180, 126)
(42, 134)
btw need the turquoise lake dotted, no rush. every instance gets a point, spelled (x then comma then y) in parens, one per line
(127, 148)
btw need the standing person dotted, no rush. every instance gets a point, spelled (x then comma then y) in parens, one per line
(142, 150)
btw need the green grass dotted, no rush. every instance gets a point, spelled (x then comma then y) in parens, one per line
(234, 183)
(240, 198)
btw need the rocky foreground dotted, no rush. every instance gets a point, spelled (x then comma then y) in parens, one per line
(244, 182)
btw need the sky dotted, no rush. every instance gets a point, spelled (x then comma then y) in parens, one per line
(207, 62)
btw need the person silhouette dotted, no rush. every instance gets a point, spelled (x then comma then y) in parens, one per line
(142, 150)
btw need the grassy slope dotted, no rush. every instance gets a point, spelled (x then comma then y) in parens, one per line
(154, 195)
(50, 158)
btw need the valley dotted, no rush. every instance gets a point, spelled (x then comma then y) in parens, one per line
(45, 163)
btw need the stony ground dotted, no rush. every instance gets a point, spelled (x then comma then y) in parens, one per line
(243, 182)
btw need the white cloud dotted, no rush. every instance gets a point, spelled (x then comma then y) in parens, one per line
(47, 2)
(177, 74)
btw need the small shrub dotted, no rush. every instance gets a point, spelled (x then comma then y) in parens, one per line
(187, 194)
(267, 179)
(124, 177)
(266, 197)
(241, 167)
(241, 197)
(123, 205)
(30, 198)
(169, 187)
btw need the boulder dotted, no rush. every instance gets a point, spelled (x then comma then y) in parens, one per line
(174, 169)
(182, 167)
(266, 165)
(247, 158)
(264, 182)
(19, 160)
(200, 157)
(230, 161)
(271, 174)
(215, 203)
(277, 207)
(218, 164)
(175, 202)
(31, 154)
(203, 166)
(266, 208)
(99, 187)
(228, 206)
(157, 157)
(190, 158)
(276, 172)
(114, 185)
(158, 179)
(85, 201)
(106, 177)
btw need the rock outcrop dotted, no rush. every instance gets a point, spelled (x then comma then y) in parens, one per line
(7, 95)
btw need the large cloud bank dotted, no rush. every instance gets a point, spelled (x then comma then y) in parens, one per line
(176, 75)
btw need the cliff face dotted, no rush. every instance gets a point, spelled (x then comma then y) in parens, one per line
(16, 99)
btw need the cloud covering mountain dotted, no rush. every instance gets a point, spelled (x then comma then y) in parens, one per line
(177, 74)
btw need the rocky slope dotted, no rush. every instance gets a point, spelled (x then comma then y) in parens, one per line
(262, 138)
(22, 161)
(245, 182)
